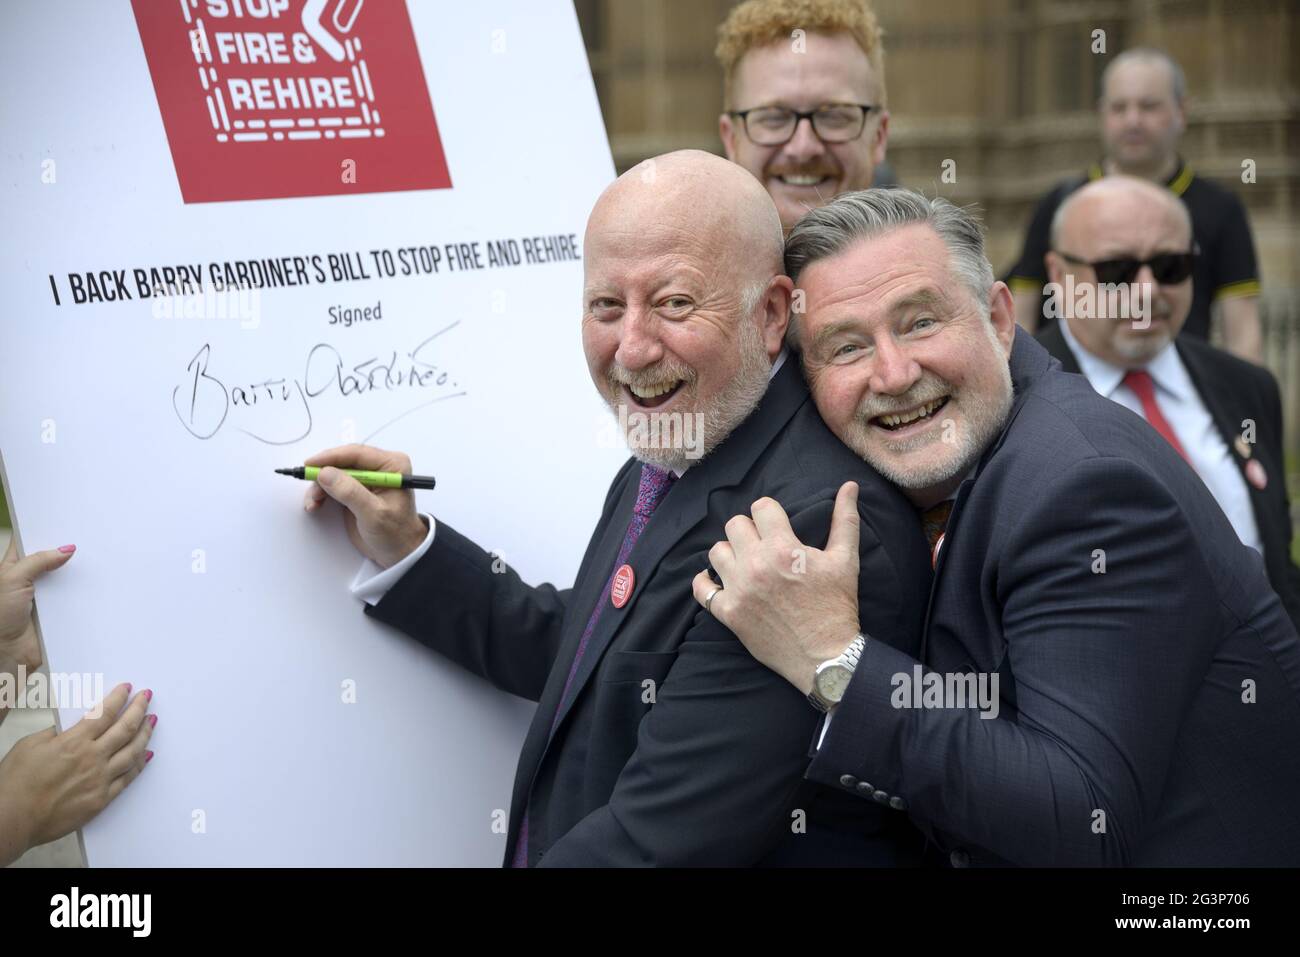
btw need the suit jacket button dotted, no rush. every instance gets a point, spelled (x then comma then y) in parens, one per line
(848, 780)
(898, 804)
(959, 858)
(880, 797)
(865, 788)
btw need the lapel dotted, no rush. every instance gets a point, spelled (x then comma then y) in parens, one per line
(1029, 362)
(1198, 361)
(594, 582)
(1202, 377)
(963, 491)
(685, 505)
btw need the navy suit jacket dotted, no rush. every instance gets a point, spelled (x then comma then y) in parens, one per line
(1149, 676)
(674, 746)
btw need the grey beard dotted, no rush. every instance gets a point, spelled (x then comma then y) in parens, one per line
(985, 418)
(1141, 350)
(731, 407)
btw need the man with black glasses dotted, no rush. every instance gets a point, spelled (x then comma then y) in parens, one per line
(1223, 415)
(804, 97)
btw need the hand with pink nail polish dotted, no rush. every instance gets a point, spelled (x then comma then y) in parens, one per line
(52, 783)
(19, 646)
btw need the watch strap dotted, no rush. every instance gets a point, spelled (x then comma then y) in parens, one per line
(848, 659)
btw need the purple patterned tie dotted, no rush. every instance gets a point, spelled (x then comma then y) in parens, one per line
(655, 483)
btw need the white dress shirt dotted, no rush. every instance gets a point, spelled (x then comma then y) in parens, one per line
(1191, 421)
(371, 582)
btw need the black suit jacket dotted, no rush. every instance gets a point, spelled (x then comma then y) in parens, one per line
(1235, 391)
(1149, 677)
(676, 747)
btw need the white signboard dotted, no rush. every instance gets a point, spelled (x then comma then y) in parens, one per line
(240, 231)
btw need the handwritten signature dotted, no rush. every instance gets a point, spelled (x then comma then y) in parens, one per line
(204, 402)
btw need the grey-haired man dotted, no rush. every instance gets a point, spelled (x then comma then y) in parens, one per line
(1106, 676)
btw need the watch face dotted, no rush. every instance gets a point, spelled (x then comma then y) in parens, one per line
(832, 682)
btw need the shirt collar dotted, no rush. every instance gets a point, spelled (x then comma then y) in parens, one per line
(780, 361)
(1170, 374)
(1105, 378)
(1166, 369)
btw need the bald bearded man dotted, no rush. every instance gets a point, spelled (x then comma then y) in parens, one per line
(658, 740)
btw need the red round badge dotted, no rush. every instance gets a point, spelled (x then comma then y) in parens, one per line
(620, 589)
(1256, 475)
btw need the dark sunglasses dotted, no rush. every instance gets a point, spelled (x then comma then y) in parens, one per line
(1168, 269)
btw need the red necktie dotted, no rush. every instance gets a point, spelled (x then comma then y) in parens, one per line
(1140, 382)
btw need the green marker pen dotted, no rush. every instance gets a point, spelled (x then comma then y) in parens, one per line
(377, 479)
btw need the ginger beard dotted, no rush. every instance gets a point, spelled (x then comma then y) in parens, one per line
(731, 406)
(953, 447)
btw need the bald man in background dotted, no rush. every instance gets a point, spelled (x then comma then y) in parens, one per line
(1222, 414)
(658, 740)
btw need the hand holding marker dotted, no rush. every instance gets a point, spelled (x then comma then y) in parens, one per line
(375, 479)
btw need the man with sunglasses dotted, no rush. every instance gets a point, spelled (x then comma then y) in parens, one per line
(1143, 117)
(1129, 238)
(804, 91)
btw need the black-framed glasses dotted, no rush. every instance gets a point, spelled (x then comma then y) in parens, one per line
(1168, 269)
(832, 122)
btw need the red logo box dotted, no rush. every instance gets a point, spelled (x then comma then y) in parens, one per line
(264, 99)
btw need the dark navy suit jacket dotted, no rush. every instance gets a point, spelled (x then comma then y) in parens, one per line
(1149, 676)
(674, 746)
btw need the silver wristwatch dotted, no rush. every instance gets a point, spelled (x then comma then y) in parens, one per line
(831, 679)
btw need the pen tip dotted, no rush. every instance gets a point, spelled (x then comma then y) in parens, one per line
(283, 471)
